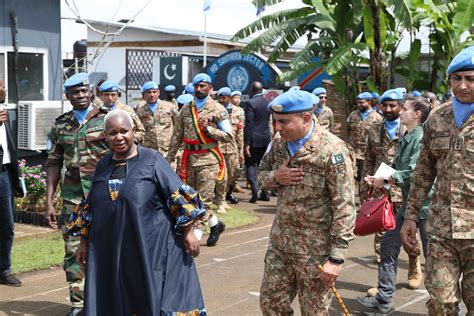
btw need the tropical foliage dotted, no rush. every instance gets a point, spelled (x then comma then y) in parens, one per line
(347, 34)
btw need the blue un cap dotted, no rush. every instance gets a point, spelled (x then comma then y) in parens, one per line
(150, 85)
(462, 61)
(293, 101)
(319, 91)
(201, 77)
(236, 92)
(415, 93)
(224, 92)
(189, 88)
(108, 86)
(184, 98)
(79, 79)
(170, 88)
(392, 95)
(365, 96)
(375, 95)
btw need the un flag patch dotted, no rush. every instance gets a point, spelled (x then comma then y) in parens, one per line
(337, 159)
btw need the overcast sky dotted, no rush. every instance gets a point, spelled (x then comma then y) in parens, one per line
(226, 16)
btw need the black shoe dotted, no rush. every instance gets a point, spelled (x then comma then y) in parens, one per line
(232, 199)
(216, 231)
(264, 197)
(10, 280)
(75, 311)
(253, 199)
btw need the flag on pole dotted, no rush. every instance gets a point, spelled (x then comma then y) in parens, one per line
(260, 9)
(207, 6)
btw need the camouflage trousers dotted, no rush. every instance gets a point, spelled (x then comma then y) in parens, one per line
(232, 174)
(448, 260)
(74, 270)
(204, 179)
(288, 274)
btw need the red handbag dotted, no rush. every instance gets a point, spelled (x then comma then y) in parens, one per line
(375, 216)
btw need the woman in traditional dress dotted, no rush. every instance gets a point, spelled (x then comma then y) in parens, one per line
(137, 232)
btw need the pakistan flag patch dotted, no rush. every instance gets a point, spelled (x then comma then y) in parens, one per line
(337, 159)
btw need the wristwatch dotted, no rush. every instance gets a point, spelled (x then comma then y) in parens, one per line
(336, 260)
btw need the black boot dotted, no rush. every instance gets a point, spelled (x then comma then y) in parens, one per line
(75, 311)
(216, 231)
(231, 197)
(264, 196)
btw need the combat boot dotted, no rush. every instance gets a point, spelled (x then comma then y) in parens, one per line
(216, 232)
(230, 196)
(414, 272)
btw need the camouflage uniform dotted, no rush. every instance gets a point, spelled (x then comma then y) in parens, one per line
(447, 153)
(203, 168)
(77, 147)
(232, 151)
(326, 118)
(380, 149)
(357, 132)
(158, 126)
(140, 130)
(314, 220)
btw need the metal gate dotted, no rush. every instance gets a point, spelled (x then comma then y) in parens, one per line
(139, 66)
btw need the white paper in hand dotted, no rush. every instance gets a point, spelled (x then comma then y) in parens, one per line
(384, 171)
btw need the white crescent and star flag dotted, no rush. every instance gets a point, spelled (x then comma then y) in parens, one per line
(207, 6)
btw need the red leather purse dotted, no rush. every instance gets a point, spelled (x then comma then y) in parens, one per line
(375, 215)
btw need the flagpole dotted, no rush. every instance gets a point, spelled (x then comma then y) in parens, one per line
(205, 39)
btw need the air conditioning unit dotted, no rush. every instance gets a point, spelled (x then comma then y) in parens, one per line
(35, 119)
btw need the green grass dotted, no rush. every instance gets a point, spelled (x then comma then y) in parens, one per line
(37, 252)
(47, 250)
(237, 218)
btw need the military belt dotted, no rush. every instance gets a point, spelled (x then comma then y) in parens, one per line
(200, 146)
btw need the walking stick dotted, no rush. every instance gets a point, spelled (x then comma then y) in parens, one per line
(338, 297)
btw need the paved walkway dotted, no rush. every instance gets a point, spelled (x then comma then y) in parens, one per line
(230, 276)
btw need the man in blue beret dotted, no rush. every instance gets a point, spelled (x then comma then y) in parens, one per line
(76, 142)
(171, 94)
(233, 151)
(358, 123)
(189, 88)
(323, 113)
(447, 155)
(200, 127)
(110, 94)
(312, 171)
(158, 118)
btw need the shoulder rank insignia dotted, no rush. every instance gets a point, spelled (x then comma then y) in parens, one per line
(337, 159)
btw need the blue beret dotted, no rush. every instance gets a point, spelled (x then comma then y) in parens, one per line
(415, 93)
(201, 77)
(185, 98)
(224, 91)
(403, 91)
(462, 61)
(295, 88)
(236, 92)
(365, 96)
(79, 79)
(319, 91)
(392, 95)
(108, 86)
(170, 88)
(150, 85)
(375, 95)
(292, 101)
(189, 88)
